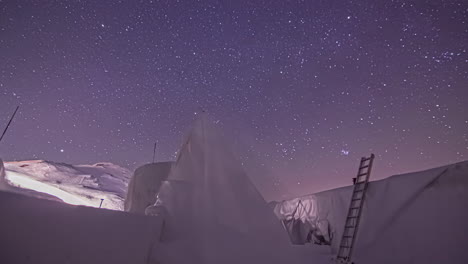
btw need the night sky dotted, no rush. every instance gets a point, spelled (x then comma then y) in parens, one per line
(303, 88)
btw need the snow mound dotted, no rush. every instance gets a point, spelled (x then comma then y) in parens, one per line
(73, 184)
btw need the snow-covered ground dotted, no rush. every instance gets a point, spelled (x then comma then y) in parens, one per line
(39, 231)
(72, 184)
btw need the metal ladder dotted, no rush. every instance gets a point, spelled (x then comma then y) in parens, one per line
(355, 208)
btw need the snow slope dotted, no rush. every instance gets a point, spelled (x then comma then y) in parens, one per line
(418, 217)
(38, 231)
(73, 184)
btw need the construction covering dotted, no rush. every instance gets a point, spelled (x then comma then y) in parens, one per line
(213, 213)
(144, 186)
(418, 217)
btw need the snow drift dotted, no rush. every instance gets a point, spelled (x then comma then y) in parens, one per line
(418, 217)
(38, 231)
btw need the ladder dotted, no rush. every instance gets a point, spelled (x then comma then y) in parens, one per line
(355, 208)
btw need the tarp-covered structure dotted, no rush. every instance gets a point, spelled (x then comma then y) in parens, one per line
(144, 186)
(419, 217)
(213, 213)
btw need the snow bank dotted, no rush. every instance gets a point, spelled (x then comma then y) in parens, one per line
(74, 184)
(40, 231)
(144, 186)
(417, 217)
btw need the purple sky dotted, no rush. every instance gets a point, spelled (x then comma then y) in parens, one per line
(304, 88)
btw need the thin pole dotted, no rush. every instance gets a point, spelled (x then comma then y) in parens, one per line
(101, 203)
(9, 122)
(154, 151)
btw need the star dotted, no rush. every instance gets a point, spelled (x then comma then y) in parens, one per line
(110, 85)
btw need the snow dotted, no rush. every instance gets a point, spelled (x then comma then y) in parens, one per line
(22, 181)
(418, 217)
(208, 211)
(214, 215)
(39, 231)
(73, 184)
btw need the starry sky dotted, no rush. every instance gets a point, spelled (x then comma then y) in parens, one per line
(302, 88)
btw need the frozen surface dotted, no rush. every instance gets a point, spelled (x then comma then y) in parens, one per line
(39, 231)
(73, 184)
(419, 217)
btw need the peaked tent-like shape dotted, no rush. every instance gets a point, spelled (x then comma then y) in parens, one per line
(214, 214)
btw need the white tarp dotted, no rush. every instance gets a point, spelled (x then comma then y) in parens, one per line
(418, 217)
(214, 214)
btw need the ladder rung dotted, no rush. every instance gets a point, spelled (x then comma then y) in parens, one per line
(358, 191)
(356, 199)
(362, 174)
(352, 217)
(366, 159)
(347, 236)
(356, 207)
(363, 167)
(345, 247)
